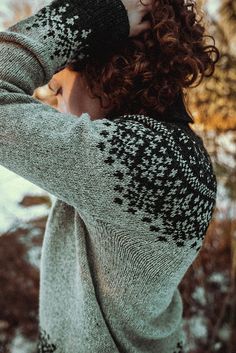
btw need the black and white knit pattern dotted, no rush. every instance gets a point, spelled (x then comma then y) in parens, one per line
(171, 177)
(134, 195)
(75, 36)
(44, 344)
(179, 348)
(64, 31)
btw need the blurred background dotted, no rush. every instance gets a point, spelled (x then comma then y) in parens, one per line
(209, 287)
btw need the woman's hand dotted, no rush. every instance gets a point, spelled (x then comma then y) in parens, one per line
(137, 9)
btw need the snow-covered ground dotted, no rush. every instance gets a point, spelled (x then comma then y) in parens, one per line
(22, 345)
(12, 189)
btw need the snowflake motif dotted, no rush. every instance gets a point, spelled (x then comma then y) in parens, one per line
(69, 43)
(69, 21)
(160, 192)
(179, 347)
(85, 33)
(159, 138)
(173, 172)
(81, 56)
(168, 160)
(178, 182)
(168, 190)
(62, 9)
(163, 149)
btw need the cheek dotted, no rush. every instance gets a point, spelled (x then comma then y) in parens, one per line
(77, 101)
(73, 105)
(62, 105)
(73, 99)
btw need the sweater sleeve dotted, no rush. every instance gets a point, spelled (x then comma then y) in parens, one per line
(53, 150)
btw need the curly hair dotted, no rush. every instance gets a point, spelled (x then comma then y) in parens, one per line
(146, 74)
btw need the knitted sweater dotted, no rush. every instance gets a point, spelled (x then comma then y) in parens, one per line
(134, 195)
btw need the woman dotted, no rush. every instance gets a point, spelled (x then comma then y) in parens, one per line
(135, 188)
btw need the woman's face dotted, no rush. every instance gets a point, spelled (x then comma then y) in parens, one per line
(72, 95)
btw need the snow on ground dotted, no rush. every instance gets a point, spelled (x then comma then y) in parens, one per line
(199, 294)
(12, 189)
(22, 345)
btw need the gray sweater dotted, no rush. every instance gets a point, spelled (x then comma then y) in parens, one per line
(134, 195)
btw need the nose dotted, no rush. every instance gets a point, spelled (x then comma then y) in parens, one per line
(45, 95)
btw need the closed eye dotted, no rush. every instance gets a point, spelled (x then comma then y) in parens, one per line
(59, 91)
(55, 91)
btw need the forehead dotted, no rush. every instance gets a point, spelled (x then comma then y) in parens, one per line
(65, 75)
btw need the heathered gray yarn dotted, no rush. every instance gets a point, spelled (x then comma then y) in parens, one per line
(134, 195)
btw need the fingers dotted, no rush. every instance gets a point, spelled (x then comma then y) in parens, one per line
(145, 6)
(143, 26)
(137, 15)
(144, 11)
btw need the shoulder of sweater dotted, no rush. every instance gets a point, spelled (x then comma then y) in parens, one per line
(140, 175)
(145, 138)
(143, 127)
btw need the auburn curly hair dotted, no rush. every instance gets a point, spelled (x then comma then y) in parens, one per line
(146, 74)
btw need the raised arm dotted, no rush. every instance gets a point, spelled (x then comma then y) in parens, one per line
(60, 153)
(61, 33)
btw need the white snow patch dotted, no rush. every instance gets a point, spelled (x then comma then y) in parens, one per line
(225, 333)
(217, 277)
(34, 256)
(12, 189)
(199, 295)
(198, 326)
(20, 344)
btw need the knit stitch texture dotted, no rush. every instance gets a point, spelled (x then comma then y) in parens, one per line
(134, 195)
